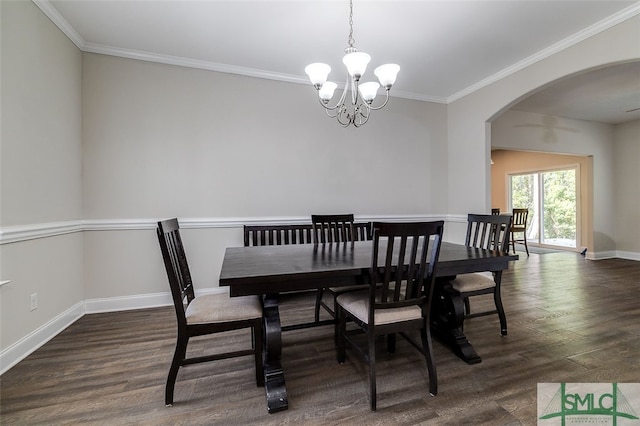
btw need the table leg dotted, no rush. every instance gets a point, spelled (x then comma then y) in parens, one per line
(273, 374)
(447, 317)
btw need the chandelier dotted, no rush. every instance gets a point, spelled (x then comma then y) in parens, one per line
(356, 111)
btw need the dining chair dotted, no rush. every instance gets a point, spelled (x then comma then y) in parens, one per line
(489, 232)
(519, 225)
(336, 228)
(206, 314)
(398, 299)
(269, 235)
(495, 211)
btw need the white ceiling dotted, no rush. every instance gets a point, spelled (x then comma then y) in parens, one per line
(446, 49)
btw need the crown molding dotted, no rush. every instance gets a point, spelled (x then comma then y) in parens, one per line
(190, 63)
(68, 30)
(53, 14)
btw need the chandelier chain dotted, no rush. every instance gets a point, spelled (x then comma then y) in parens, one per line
(351, 40)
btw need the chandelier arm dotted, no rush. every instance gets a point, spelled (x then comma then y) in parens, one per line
(354, 91)
(344, 121)
(332, 113)
(381, 106)
(343, 96)
(361, 115)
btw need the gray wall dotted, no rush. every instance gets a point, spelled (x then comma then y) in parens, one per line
(162, 141)
(626, 194)
(41, 181)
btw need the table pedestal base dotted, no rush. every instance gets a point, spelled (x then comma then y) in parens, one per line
(274, 385)
(447, 317)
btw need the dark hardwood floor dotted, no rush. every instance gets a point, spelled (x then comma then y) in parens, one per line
(570, 320)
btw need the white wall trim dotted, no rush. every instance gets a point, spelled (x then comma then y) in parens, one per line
(610, 254)
(13, 234)
(68, 30)
(28, 344)
(52, 13)
(629, 255)
(613, 254)
(139, 301)
(127, 303)
(34, 340)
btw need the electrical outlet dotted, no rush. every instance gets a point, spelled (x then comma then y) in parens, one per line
(34, 301)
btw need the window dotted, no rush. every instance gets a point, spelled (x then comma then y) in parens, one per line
(552, 199)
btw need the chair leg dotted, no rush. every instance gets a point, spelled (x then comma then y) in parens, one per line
(178, 357)
(318, 300)
(372, 369)
(342, 329)
(391, 343)
(501, 314)
(427, 347)
(256, 331)
(526, 247)
(513, 242)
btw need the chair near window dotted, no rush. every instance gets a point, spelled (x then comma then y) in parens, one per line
(397, 300)
(204, 315)
(337, 228)
(519, 226)
(486, 232)
(495, 211)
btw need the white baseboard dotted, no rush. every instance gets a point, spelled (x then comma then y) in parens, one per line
(28, 344)
(127, 303)
(138, 301)
(611, 254)
(629, 255)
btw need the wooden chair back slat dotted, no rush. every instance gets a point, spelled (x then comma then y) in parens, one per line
(175, 262)
(408, 244)
(333, 228)
(269, 235)
(488, 231)
(520, 218)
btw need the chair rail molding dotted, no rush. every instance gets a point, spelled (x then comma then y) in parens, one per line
(17, 233)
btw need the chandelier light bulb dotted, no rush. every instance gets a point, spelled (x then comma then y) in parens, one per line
(318, 73)
(368, 91)
(387, 74)
(326, 92)
(356, 63)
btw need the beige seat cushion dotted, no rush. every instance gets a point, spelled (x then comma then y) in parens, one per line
(357, 303)
(212, 308)
(472, 282)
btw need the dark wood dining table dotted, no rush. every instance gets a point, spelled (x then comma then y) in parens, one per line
(270, 270)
